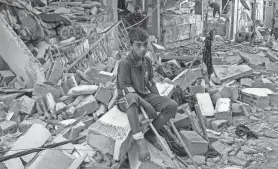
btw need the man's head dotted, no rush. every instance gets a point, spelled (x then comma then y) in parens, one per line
(139, 39)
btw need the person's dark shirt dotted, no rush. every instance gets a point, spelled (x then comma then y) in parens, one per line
(214, 5)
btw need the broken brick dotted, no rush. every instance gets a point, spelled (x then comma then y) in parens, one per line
(8, 127)
(194, 142)
(27, 105)
(223, 110)
(88, 104)
(103, 95)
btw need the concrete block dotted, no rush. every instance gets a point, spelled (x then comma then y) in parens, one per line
(231, 92)
(27, 105)
(221, 148)
(256, 96)
(89, 104)
(223, 110)
(8, 127)
(74, 131)
(101, 110)
(273, 99)
(83, 90)
(205, 104)
(14, 109)
(232, 72)
(246, 82)
(49, 159)
(103, 95)
(256, 59)
(111, 133)
(6, 77)
(35, 137)
(88, 121)
(7, 99)
(96, 76)
(67, 83)
(159, 159)
(219, 125)
(194, 142)
(181, 120)
(186, 81)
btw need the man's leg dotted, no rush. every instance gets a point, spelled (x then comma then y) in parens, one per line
(130, 106)
(167, 108)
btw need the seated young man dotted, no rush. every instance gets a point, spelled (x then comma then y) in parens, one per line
(136, 88)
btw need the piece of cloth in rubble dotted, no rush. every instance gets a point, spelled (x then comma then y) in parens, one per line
(207, 58)
(168, 70)
(172, 141)
(242, 130)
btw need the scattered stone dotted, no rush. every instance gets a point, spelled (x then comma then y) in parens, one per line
(186, 81)
(272, 67)
(246, 82)
(103, 95)
(237, 161)
(89, 104)
(181, 120)
(83, 90)
(253, 118)
(221, 148)
(256, 96)
(270, 133)
(233, 72)
(234, 60)
(254, 59)
(27, 105)
(6, 77)
(236, 108)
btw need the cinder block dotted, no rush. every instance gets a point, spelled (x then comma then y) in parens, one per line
(8, 127)
(111, 133)
(6, 77)
(159, 159)
(223, 110)
(194, 142)
(27, 105)
(35, 137)
(103, 95)
(89, 104)
(205, 104)
(256, 96)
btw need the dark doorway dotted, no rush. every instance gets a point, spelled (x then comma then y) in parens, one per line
(121, 4)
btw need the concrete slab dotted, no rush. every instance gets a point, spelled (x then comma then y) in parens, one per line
(19, 58)
(205, 104)
(273, 57)
(103, 95)
(49, 159)
(232, 72)
(254, 59)
(272, 67)
(89, 104)
(35, 137)
(27, 105)
(111, 133)
(234, 60)
(256, 96)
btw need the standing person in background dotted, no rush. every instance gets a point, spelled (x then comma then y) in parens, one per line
(216, 8)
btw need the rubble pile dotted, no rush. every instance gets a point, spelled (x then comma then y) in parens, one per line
(68, 119)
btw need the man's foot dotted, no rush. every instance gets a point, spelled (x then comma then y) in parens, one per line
(150, 136)
(143, 153)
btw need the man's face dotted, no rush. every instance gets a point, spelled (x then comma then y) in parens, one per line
(140, 47)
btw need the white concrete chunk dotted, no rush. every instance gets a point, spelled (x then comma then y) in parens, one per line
(205, 104)
(232, 72)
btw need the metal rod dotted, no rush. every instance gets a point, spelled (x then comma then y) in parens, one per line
(183, 144)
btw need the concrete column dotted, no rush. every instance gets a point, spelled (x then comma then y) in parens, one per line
(235, 12)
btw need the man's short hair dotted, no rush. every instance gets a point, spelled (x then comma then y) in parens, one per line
(138, 34)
